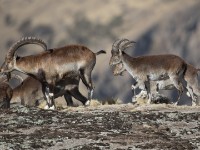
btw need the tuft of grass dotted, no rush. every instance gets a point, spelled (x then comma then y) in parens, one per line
(111, 101)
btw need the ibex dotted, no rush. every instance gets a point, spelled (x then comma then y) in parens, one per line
(118, 69)
(51, 66)
(190, 76)
(146, 68)
(29, 92)
(6, 91)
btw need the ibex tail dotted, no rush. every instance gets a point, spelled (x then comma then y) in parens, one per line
(100, 52)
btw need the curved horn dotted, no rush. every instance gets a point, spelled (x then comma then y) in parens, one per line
(127, 44)
(25, 41)
(116, 46)
(17, 77)
(121, 41)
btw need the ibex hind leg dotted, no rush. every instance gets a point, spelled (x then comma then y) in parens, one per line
(77, 95)
(178, 85)
(191, 94)
(133, 88)
(68, 99)
(5, 103)
(148, 89)
(86, 78)
(195, 93)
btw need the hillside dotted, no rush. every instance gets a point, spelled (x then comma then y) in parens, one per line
(157, 27)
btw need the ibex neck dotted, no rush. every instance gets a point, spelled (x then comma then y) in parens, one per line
(128, 62)
(25, 65)
(126, 59)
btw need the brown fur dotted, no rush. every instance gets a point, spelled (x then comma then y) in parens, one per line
(51, 66)
(6, 93)
(154, 67)
(190, 77)
(30, 93)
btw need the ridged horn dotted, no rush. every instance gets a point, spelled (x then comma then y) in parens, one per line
(25, 41)
(117, 43)
(17, 77)
(127, 45)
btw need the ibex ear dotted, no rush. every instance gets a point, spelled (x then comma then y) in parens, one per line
(120, 52)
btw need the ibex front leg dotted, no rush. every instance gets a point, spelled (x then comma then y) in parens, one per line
(49, 95)
(148, 89)
(137, 84)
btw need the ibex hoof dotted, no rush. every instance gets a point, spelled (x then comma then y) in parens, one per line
(50, 108)
(51, 94)
(46, 107)
(133, 99)
(149, 101)
(176, 103)
(194, 104)
(188, 94)
(87, 103)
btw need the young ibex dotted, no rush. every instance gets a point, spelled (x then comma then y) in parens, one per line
(29, 92)
(6, 91)
(190, 76)
(146, 68)
(51, 66)
(119, 68)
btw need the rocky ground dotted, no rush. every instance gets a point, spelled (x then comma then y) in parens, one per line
(119, 126)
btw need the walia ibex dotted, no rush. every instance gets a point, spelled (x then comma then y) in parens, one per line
(6, 91)
(146, 68)
(29, 92)
(51, 66)
(190, 76)
(118, 69)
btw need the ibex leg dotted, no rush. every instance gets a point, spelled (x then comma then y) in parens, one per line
(68, 99)
(86, 78)
(48, 92)
(179, 86)
(137, 84)
(77, 95)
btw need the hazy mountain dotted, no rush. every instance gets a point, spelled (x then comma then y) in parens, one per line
(157, 26)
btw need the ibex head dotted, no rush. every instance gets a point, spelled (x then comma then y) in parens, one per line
(10, 59)
(118, 69)
(117, 48)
